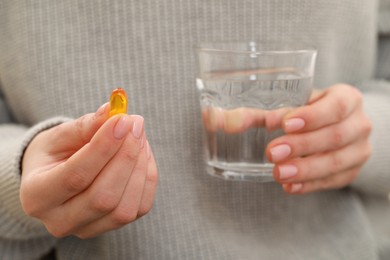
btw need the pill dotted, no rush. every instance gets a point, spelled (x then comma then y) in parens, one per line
(118, 102)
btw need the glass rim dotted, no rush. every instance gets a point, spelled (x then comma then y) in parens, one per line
(278, 48)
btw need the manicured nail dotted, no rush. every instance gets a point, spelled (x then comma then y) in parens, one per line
(293, 124)
(295, 187)
(280, 152)
(101, 109)
(287, 171)
(122, 127)
(138, 126)
(148, 150)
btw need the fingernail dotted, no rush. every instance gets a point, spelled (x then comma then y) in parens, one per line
(295, 187)
(287, 171)
(148, 150)
(280, 152)
(138, 126)
(293, 124)
(101, 109)
(122, 127)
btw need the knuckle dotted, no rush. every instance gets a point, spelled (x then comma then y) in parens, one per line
(58, 231)
(234, 121)
(29, 204)
(367, 152)
(364, 153)
(30, 208)
(304, 170)
(356, 94)
(152, 175)
(325, 184)
(140, 168)
(144, 210)
(352, 176)
(104, 202)
(300, 145)
(103, 147)
(366, 126)
(129, 153)
(83, 235)
(342, 104)
(76, 180)
(345, 179)
(336, 163)
(302, 192)
(337, 138)
(341, 107)
(124, 216)
(79, 127)
(345, 87)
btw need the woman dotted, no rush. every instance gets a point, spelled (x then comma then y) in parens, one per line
(83, 179)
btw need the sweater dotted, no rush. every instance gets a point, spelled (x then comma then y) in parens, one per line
(61, 59)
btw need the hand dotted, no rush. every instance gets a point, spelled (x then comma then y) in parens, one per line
(238, 120)
(90, 175)
(326, 143)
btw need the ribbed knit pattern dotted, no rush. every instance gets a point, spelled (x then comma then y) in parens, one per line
(21, 237)
(378, 214)
(374, 177)
(383, 67)
(384, 14)
(63, 58)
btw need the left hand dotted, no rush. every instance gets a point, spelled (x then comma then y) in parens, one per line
(89, 175)
(326, 144)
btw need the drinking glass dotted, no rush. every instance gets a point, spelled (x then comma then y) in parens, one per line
(245, 90)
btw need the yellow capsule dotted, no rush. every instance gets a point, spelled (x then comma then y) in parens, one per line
(118, 102)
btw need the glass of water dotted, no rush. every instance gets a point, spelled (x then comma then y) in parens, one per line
(245, 90)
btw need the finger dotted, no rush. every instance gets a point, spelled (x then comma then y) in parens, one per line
(77, 173)
(325, 139)
(127, 209)
(106, 191)
(322, 165)
(212, 118)
(274, 118)
(337, 181)
(336, 104)
(61, 141)
(234, 120)
(71, 136)
(150, 185)
(316, 95)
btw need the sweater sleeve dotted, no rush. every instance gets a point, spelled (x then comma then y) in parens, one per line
(14, 224)
(21, 236)
(375, 175)
(19, 233)
(384, 17)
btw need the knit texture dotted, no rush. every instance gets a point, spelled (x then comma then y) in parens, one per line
(374, 177)
(63, 58)
(21, 236)
(383, 19)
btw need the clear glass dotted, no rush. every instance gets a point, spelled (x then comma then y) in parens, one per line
(245, 90)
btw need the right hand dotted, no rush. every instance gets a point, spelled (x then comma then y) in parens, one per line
(90, 175)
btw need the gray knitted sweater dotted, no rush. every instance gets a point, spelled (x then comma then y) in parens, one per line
(61, 59)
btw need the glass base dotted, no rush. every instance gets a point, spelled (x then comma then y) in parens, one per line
(262, 173)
